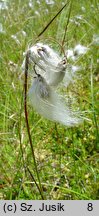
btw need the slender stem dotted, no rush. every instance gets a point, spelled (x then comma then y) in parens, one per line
(35, 181)
(27, 123)
(93, 104)
(52, 20)
(60, 150)
(68, 18)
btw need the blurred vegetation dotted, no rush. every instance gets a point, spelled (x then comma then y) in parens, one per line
(67, 158)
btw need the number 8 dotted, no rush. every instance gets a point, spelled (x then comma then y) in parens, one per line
(90, 207)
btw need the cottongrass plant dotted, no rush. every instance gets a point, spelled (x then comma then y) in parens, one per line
(49, 71)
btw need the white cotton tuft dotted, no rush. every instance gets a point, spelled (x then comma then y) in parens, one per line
(80, 50)
(49, 104)
(48, 63)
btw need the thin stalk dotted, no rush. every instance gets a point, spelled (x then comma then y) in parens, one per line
(68, 18)
(35, 181)
(27, 124)
(52, 20)
(60, 149)
(26, 168)
(20, 124)
(93, 104)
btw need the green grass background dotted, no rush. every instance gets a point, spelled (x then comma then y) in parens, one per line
(67, 158)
